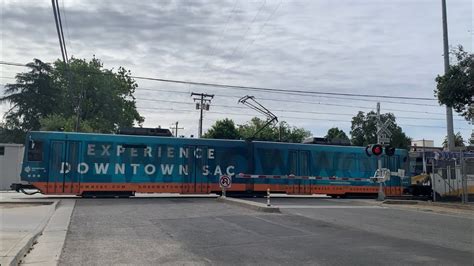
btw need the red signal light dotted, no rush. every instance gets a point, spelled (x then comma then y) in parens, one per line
(389, 151)
(374, 149)
(377, 150)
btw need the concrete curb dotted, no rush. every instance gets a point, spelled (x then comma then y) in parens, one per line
(430, 203)
(43, 202)
(15, 255)
(402, 202)
(250, 205)
(49, 246)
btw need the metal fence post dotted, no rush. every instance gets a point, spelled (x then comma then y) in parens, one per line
(433, 180)
(268, 197)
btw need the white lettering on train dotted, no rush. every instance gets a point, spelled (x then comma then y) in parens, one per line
(167, 169)
(82, 168)
(101, 168)
(105, 150)
(136, 169)
(150, 169)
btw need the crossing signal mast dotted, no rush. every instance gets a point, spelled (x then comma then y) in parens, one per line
(382, 146)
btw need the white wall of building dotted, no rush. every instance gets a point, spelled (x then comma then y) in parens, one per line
(419, 143)
(10, 164)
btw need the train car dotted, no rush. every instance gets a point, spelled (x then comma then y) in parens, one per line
(103, 164)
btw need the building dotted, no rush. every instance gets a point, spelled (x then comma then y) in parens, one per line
(11, 157)
(423, 143)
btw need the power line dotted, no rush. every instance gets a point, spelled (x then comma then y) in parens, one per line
(288, 117)
(325, 96)
(312, 102)
(290, 111)
(251, 88)
(57, 20)
(248, 28)
(298, 92)
(258, 34)
(66, 23)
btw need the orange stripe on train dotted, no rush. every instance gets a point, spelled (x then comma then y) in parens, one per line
(183, 188)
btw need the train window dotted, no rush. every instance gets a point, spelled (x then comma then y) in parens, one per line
(2, 151)
(35, 151)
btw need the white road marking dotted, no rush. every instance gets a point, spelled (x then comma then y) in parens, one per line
(327, 207)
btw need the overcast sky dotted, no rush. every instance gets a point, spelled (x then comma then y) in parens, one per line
(359, 46)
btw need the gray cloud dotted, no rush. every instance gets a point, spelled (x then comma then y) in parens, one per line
(369, 46)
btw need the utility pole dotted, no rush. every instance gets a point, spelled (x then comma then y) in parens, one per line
(472, 120)
(449, 110)
(175, 128)
(203, 101)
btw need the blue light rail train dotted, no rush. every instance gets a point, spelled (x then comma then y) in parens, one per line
(88, 164)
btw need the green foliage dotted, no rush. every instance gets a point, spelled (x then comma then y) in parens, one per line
(456, 87)
(282, 132)
(364, 130)
(458, 141)
(226, 129)
(336, 133)
(223, 129)
(11, 135)
(106, 98)
(57, 122)
(32, 96)
(47, 97)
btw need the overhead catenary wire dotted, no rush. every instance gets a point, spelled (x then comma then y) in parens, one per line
(285, 117)
(312, 102)
(289, 111)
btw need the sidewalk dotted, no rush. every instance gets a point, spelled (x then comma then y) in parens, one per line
(21, 222)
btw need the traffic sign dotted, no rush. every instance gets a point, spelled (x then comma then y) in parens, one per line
(225, 181)
(383, 139)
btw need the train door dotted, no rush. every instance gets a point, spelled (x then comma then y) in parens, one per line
(293, 184)
(194, 176)
(64, 160)
(299, 165)
(304, 170)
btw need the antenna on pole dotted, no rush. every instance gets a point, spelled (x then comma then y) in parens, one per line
(250, 102)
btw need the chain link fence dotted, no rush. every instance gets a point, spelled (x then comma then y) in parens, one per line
(453, 179)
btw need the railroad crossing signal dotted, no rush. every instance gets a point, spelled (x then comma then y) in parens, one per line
(225, 181)
(378, 150)
(383, 130)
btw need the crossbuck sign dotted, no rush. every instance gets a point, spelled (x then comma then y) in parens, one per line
(384, 133)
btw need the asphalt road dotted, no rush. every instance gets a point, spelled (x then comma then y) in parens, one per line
(200, 231)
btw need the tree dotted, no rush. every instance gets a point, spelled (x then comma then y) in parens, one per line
(104, 98)
(33, 96)
(336, 133)
(282, 132)
(57, 122)
(49, 97)
(456, 87)
(458, 141)
(364, 130)
(223, 129)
